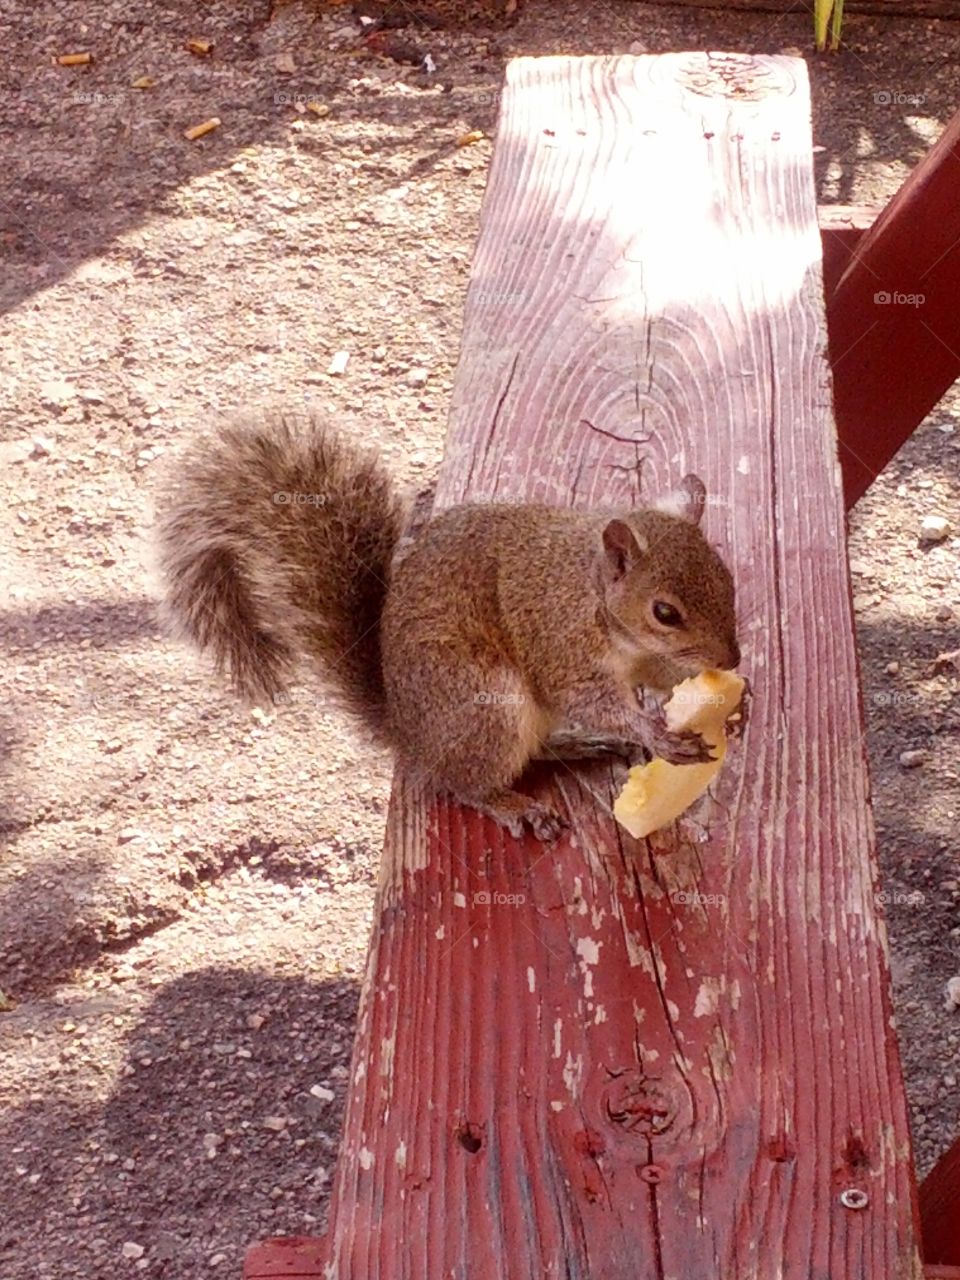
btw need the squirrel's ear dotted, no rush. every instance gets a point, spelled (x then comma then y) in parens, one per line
(622, 549)
(687, 502)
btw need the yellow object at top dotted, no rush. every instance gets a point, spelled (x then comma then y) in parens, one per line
(655, 794)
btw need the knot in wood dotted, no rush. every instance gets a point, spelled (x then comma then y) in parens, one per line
(730, 75)
(637, 1104)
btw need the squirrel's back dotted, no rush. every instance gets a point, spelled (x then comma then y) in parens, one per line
(274, 540)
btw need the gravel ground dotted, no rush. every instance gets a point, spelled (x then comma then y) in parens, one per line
(185, 889)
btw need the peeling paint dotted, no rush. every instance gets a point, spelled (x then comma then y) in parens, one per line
(365, 1157)
(459, 900)
(572, 1074)
(708, 997)
(441, 932)
(589, 950)
(388, 1046)
(600, 1015)
(531, 978)
(557, 1036)
(401, 1155)
(579, 904)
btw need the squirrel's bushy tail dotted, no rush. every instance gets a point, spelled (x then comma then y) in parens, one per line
(274, 542)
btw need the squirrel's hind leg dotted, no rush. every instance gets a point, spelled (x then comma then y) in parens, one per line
(484, 748)
(514, 811)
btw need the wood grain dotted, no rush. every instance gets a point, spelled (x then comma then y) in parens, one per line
(659, 1060)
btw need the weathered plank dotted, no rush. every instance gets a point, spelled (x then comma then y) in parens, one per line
(663, 1059)
(894, 319)
(288, 1256)
(940, 1210)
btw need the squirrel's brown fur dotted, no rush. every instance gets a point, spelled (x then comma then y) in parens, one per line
(275, 540)
(471, 641)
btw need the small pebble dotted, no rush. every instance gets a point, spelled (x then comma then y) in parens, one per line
(913, 759)
(952, 995)
(892, 668)
(132, 1251)
(934, 528)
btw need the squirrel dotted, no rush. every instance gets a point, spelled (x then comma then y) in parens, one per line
(470, 641)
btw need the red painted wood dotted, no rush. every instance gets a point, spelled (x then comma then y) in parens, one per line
(664, 1059)
(291, 1257)
(941, 1273)
(892, 361)
(842, 227)
(940, 1209)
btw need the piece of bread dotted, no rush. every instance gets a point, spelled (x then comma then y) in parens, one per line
(657, 793)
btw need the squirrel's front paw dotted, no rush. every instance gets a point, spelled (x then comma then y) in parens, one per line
(682, 748)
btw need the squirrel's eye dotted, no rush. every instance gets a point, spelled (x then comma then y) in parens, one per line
(666, 614)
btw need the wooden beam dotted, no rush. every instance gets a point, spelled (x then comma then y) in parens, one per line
(842, 227)
(940, 1210)
(625, 1059)
(296, 1258)
(894, 317)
